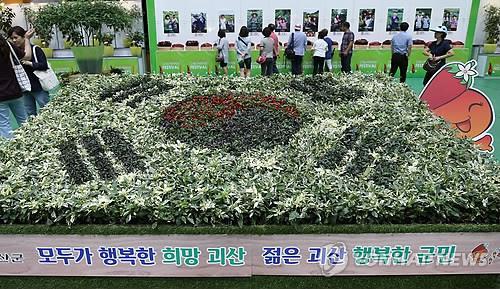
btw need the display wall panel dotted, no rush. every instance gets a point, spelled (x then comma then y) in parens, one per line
(239, 9)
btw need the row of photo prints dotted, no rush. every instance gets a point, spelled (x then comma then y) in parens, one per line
(282, 19)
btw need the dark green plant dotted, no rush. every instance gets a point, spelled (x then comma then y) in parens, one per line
(83, 21)
(107, 39)
(492, 24)
(137, 39)
(6, 17)
(43, 21)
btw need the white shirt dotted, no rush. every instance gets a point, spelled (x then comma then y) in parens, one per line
(320, 47)
(222, 24)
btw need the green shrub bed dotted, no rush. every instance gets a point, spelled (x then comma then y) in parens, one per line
(357, 149)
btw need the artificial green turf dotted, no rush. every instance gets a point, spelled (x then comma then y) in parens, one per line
(254, 230)
(258, 282)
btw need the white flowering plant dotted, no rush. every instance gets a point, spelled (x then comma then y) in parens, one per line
(184, 150)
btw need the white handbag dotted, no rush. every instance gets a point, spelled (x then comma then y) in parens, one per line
(48, 78)
(21, 76)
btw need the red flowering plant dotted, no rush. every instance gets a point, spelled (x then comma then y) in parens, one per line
(202, 110)
(233, 122)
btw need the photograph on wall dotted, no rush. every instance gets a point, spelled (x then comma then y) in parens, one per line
(254, 20)
(339, 16)
(366, 20)
(226, 22)
(450, 18)
(171, 21)
(199, 22)
(394, 19)
(310, 23)
(423, 19)
(282, 20)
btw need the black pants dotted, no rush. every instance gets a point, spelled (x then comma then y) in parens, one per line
(318, 64)
(266, 68)
(297, 65)
(345, 61)
(275, 68)
(399, 61)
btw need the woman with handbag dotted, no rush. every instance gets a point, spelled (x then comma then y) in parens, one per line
(10, 89)
(38, 62)
(243, 50)
(266, 53)
(437, 52)
(223, 50)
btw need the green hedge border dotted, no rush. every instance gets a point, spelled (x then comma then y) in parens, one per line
(250, 230)
(258, 282)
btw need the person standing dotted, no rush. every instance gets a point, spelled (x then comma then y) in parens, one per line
(346, 47)
(174, 24)
(454, 23)
(222, 22)
(253, 23)
(10, 93)
(320, 47)
(394, 21)
(266, 50)
(223, 50)
(243, 48)
(418, 22)
(299, 47)
(438, 51)
(329, 51)
(38, 62)
(426, 23)
(401, 45)
(276, 48)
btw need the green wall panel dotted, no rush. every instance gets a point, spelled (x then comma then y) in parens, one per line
(128, 64)
(364, 60)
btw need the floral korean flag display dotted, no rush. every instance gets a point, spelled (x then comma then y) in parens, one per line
(343, 149)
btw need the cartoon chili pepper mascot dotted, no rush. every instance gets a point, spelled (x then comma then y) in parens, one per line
(450, 95)
(479, 252)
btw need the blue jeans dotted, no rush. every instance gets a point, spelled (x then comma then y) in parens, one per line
(19, 111)
(266, 68)
(31, 98)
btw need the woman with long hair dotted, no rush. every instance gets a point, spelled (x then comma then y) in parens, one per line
(38, 62)
(10, 91)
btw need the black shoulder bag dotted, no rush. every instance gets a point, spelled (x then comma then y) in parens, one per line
(289, 52)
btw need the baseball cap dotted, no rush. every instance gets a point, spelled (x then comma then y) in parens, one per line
(441, 29)
(298, 26)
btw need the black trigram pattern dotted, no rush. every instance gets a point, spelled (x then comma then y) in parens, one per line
(73, 162)
(114, 142)
(143, 87)
(97, 156)
(385, 169)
